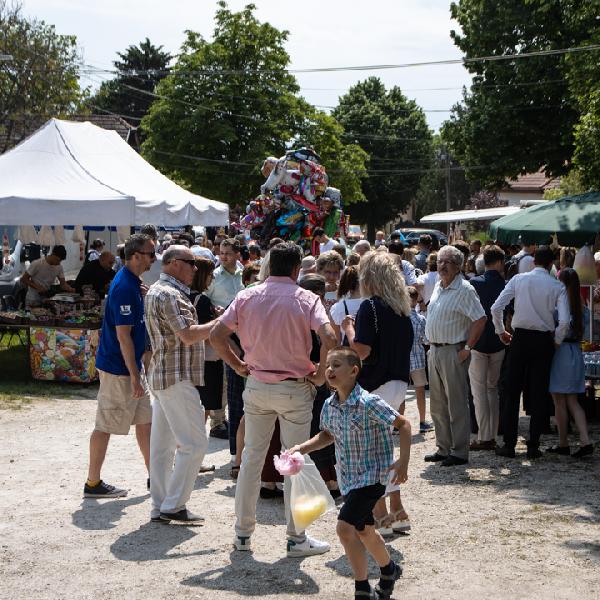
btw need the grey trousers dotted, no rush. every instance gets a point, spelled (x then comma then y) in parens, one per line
(449, 400)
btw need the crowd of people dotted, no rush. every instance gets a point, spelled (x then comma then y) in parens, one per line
(315, 353)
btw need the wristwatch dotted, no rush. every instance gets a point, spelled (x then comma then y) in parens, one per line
(467, 347)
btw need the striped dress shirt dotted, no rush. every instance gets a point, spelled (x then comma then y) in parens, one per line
(168, 310)
(451, 311)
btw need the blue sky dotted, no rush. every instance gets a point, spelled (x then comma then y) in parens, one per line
(329, 33)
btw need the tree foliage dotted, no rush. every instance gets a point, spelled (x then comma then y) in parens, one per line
(41, 80)
(140, 67)
(394, 133)
(519, 115)
(228, 102)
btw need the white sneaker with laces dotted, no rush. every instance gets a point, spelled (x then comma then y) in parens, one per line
(308, 547)
(242, 543)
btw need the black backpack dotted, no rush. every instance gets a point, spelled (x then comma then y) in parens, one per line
(511, 268)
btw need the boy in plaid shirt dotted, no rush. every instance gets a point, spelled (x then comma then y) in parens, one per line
(359, 424)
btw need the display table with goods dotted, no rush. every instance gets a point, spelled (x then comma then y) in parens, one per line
(63, 337)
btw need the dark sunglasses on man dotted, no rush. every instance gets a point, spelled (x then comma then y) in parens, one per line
(151, 254)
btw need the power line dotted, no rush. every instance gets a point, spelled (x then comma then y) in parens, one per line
(380, 67)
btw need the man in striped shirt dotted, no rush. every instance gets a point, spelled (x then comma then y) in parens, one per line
(176, 367)
(455, 321)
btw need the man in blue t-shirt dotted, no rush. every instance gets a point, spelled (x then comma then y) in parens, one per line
(123, 397)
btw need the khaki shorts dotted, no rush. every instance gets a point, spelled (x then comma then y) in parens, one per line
(117, 410)
(419, 377)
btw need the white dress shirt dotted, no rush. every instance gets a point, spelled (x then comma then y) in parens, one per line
(428, 281)
(537, 296)
(526, 263)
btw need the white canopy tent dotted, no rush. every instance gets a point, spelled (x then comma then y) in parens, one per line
(71, 173)
(458, 216)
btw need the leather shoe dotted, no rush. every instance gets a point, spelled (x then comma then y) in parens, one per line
(533, 452)
(506, 451)
(564, 450)
(586, 450)
(269, 493)
(487, 445)
(182, 516)
(435, 457)
(453, 461)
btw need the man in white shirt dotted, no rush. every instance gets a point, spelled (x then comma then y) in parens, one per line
(42, 273)
(408, 271)
(153, 274)
(325, 242)
(537, 296)
(426, 282)
(525, 258)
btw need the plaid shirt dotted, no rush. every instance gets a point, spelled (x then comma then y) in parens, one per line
(169, 310)
(364, 449)
(417, 352)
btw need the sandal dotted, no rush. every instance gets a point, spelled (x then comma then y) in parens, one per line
(207, 469)
(400, 521)
(384, 525)
(234, 472)
(387, 591)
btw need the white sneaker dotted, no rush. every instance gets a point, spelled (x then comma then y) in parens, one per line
(308, 547)
(242, 543)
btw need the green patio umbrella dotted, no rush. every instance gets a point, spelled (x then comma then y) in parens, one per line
(574, 219)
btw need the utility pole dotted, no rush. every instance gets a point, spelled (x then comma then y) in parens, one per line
(446, 158)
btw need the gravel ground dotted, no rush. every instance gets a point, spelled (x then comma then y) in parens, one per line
(497, 529)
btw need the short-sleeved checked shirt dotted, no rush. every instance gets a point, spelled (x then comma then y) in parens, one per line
(364, 449)
(169, 310)
(417, 352)
(451, 310)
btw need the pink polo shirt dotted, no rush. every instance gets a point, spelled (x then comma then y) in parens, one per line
(273, 321)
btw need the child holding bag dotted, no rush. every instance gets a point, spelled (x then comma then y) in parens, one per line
(359, 424)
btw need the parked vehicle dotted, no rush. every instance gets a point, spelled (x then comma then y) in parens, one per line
(413, 234)
(355, 234)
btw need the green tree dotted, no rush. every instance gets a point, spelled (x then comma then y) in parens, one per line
(140, 67)
(394, 133)
(519, 115)
(228, 104)
(41, 80)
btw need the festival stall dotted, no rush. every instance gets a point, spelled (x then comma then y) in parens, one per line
(568, 221)
(76, 173)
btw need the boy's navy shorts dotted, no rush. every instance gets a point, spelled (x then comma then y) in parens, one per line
(358, 505)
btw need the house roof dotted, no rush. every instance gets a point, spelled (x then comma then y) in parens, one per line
(532, 182)
(24, 127)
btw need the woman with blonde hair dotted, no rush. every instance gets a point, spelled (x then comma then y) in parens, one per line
(382, 335)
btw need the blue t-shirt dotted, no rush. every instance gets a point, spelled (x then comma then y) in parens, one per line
(124, 306)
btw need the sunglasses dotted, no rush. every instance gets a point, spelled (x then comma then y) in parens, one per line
(189, 261)
(152, 253)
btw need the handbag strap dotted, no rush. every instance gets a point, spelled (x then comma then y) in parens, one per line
(374, 314)
(346, 308)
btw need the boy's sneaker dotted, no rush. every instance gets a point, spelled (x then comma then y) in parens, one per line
(242, 543)
(308, 547)
(425, 426)
(103, 490)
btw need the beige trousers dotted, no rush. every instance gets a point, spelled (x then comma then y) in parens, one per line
(449, 400)
(289, 401)
(484, 372)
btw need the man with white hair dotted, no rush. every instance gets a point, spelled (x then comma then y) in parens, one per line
(455, 321)
(362, 247)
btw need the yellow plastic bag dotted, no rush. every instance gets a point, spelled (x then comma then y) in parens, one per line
(310, 498)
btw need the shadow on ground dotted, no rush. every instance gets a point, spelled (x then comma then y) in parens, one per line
(156, 541)
(249, 577)
(96, 515)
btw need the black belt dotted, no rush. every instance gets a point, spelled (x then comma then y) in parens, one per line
(453, 344)
(571, 341)
(297, 379)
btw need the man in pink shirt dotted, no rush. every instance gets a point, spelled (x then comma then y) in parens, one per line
(273, 321)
